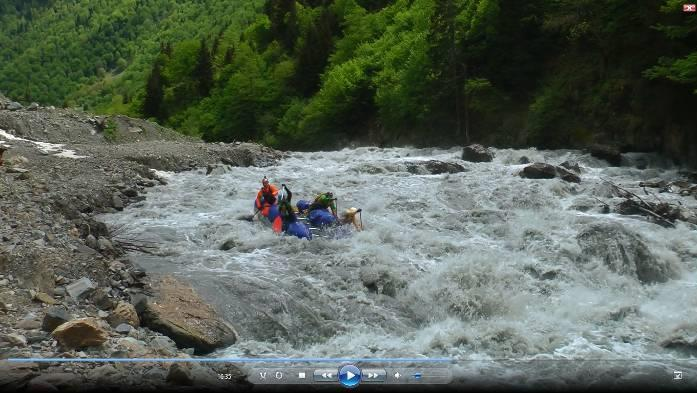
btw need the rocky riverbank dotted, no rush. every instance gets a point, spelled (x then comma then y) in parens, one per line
(67, 286)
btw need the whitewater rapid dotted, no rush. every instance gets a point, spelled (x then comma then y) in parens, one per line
(473, 266)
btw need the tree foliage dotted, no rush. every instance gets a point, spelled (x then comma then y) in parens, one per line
(303, 74)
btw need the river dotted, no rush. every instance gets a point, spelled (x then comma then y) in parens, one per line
(476, 266)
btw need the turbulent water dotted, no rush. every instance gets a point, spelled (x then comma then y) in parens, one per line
(473, 266)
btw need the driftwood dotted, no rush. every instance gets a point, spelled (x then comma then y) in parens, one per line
(663, 213)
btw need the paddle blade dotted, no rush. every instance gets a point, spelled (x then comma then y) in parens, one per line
(277, 224)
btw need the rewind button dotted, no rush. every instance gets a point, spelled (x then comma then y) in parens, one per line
(373, 375)
(326, 375)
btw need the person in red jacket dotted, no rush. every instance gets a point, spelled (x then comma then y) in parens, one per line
(266, 197)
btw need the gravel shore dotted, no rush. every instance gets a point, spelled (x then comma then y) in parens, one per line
(67, 286)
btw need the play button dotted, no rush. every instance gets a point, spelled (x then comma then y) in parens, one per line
(350, 376)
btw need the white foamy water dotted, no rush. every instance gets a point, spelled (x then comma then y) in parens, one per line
(473, 266)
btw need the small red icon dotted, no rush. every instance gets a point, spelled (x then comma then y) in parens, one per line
(689, 8)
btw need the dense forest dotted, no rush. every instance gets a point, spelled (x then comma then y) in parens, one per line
(307, 74)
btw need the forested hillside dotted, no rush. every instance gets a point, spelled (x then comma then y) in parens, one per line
(97, 53)
(305, 74)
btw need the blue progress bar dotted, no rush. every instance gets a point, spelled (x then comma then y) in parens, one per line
(230, 360)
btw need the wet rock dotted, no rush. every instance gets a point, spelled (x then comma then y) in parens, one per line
(229, 244)
(434, 167)
(45, 298)
(608, 153)
(623, 313)
(179, 374)
(477, 153)
(623, 252)
(130, 192)
(380, 281)
(80, 333)
(179, 313)
(55, 316)
(523, 160)
(571, 165)
(684, 339)
(655, 183)
(80, 288)
(567, 175)
(539, 170)
(124, 313)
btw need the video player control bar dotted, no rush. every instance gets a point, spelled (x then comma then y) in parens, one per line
(350, 375)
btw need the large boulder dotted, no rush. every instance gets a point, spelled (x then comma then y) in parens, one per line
(608, 153)
(80, 333)
(434, 167)
(540, 170)
(477, 153)
(622, 251)
(178, 312)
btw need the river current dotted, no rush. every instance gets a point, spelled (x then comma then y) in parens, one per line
(482, 267)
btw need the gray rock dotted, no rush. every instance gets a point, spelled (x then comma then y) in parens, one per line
(130, 192)
(477, 153)
(117, 202)
(180, 374)
(14, 106)
(572, 166)
(567, 176)
(4, 282)
(14, 339)
(229, 244)
(105, 244)
(80, 288)
(623, 252)
(100, 298)
(523, 160)
(91, 242)
(30, 322)
(434, 167)
(164, 346)
(59, 291)
(123, 328)
(33, 106)
(55, 316)
(539, 170)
